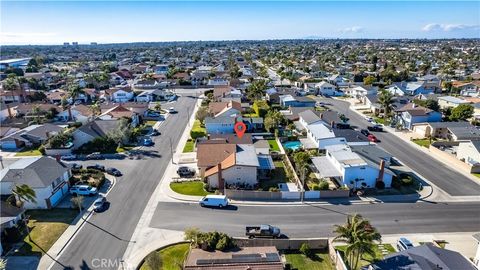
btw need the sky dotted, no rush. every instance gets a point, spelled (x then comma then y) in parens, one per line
(39, 22)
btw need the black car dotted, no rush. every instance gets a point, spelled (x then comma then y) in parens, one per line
(155, 133)
(185, 172)
(113, 171)
(375, 128)
(76, 166)
(365, 132)
(97, 167)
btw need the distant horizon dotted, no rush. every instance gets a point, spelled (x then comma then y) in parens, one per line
(109, 22)
(241, 40)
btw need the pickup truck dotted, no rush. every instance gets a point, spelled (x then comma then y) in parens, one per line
(264, 230)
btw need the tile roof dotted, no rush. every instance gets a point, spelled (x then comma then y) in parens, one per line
(209, 155)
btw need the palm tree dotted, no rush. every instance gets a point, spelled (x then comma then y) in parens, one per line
(24, 193)
(385, 98)
(36, 113)
(359, 235)
(11, 84)
(95, 109)
(74, 90)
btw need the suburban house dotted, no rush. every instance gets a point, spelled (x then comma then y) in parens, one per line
(350, 169)
(308, 117)
(423, 257)
(322, 88)
(450, 102)
(408, 88)
(220, 125)
(45, 175)
(250, 258)
(254, 124)
(296, 101)
(453, 131)
(56, 96)
(210, 153)
(10, 96)
(319, 136)
(230, 109)
(292, 113)
(29, 136)
(359, 91)
(411, 114)
(217, 107)
(153, 95)
(119, 94)
(27, 110)
(470, 89)
(217, 81)
(79, 113)
(476, 259)
(118, 112)
(431, 82)
(469, 152)
(92, 130)
(225, 93)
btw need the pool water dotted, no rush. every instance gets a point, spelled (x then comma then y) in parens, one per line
(294, 145)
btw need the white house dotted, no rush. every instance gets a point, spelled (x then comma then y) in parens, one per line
(119, 95)
(239, 168)
(450, 102)
(326, 89)
(350, 169)
(320, 136)
(45, 175)
(469, 152)
(361, 91)
(79, 113)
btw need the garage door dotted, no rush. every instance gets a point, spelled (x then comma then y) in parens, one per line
(9, 145)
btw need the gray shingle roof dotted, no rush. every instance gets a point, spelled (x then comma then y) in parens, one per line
(37, 172)
(99, 128)
(309, 117)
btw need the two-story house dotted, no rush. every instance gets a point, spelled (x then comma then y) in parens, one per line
(411, 114)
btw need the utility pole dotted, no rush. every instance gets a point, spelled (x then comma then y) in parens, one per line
(1, 162)
(188, 118)
(302, 178)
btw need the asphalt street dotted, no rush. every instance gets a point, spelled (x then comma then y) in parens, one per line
(452, 182)
(106, 235)
(318, 220)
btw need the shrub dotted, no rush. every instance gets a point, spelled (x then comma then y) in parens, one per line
(224, 243)
(323, 185)
(305, 249)
(273, 189)
(195, 134)
(211, 240)
(41, 149)
(75, 125)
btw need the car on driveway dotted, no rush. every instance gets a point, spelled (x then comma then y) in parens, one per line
(113, 171)
(99, 204)
(369, 119)
(83, 190)
(97, 167)
(365, 132)
(147, 142)
(76, 166)
(185, 171)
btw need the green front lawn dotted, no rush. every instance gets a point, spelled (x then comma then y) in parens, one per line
(318, 261)
(150, 122)
(46, 226)
(172, 257)
(192, 188)
(477, 175)
(189, 146)
(278, 176)
(274, 145)
(125, 148)
(422, 142)
(28, 151)
(379, 120)
(198, 126)
(366, 258)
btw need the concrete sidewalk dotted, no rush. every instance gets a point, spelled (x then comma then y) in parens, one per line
(47, 260)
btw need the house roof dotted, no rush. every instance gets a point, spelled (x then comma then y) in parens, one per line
(325, 167)
(465, 132)
(330, 116)
(320, 131)
(99, 128)
(415, 110)
(424, 257)
(232, 138)
(244, 155)
(37, 172)
(9, 212)
(309, 116)
(451, 99)
(37, 131)
(209, 154)
(118, 112)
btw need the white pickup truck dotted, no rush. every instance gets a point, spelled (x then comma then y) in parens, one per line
(83, 190)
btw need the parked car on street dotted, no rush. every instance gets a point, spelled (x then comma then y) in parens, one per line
(365, 132)
(113, 171)
(76, 166)
(99, 204)
(83, 190)
(404, 244)
(147, 142)
(68, 157)
(184, 171)
(372, 138)
(264, 231)
(375, 128)
(172, 110)
(97, 167)
(214, 201)
(369, 119)
(155, 133)
(95, 155)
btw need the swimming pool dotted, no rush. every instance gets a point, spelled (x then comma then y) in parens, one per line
(294, 145)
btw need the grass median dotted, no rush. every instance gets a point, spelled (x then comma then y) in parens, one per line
(192, 188)
(172, 257)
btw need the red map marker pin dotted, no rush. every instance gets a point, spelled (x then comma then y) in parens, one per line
(240, 129)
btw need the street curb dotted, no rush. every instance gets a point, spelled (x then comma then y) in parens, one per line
(159, 249)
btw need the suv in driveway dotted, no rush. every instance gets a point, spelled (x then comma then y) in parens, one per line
(184, 171)
(83, 190)
(97, 167)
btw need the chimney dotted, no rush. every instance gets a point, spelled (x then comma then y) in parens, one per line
(332, 124)
(57, 157)
(382, 171)
(221, 182)
(9, 111)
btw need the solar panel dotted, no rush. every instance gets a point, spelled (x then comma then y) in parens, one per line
(242, 258)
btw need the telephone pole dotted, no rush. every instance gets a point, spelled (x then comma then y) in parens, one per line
(171, 148)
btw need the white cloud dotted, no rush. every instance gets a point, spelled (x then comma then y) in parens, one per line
(353, 29)
(448, 27)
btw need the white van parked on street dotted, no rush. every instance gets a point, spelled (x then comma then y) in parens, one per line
(214, 200)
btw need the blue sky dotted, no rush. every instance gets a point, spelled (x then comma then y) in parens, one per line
(56, 22)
